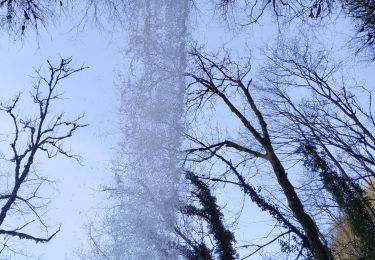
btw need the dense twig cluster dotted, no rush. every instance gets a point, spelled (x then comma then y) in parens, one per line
(329, 133)
(19, 15)
(42, 133)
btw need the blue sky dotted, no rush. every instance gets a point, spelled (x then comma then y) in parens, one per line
(92, 92)
(95, 92)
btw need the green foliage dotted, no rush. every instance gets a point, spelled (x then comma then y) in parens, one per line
(210, 212)
(199, 252)
(349, 196)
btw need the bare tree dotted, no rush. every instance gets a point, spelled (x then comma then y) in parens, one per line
(16, 16)
(333, 126)
(281, 10)
(42, 132)
(204, 207)
(230, 83)
(361, 12)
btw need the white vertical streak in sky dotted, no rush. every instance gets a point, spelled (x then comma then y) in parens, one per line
(152, 104)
